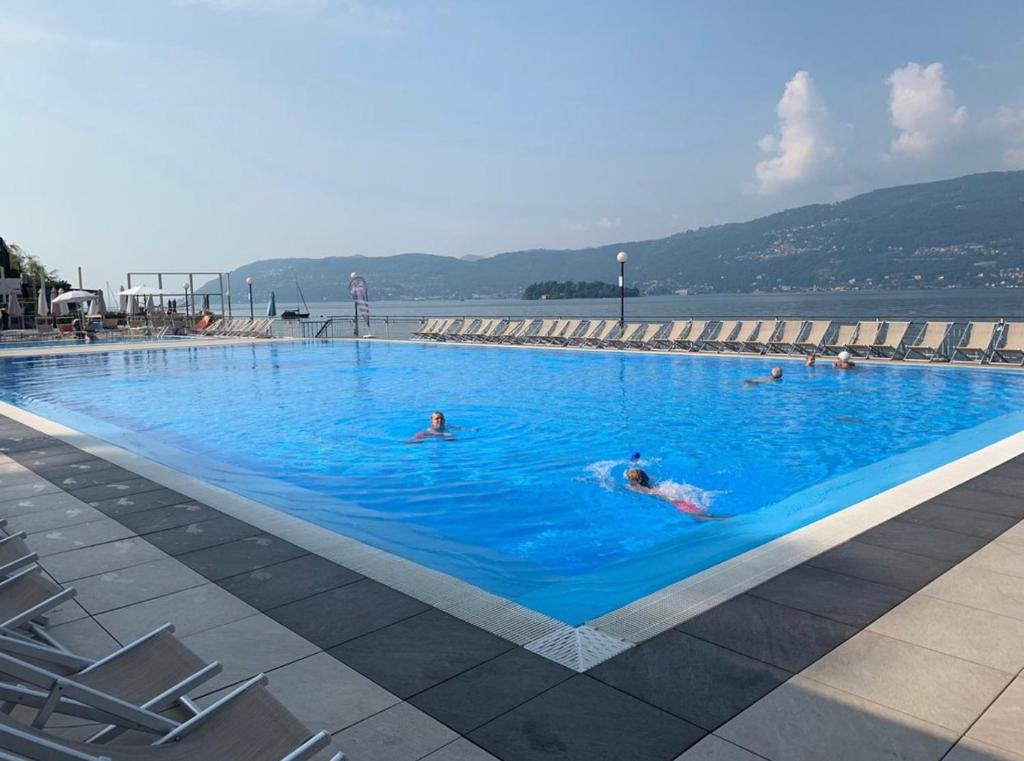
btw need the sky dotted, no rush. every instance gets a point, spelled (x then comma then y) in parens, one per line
(204, 134)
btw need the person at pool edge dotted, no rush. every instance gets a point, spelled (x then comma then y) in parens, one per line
(843, 361)
(637, 480)
(439, 429)
(776, 375)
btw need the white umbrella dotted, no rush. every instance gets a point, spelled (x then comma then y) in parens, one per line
(145, 290)
(149, 305)
(122, 300)
(13, 305)
(97, 308)
(42, 306)
(74, 297)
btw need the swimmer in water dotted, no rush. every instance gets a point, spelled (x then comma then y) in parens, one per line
(776, 375)
(637, 480)
(809, 362)
(843, 361)
(439, 429)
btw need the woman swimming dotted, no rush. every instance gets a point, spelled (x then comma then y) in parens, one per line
(439, 429)
(637, 480)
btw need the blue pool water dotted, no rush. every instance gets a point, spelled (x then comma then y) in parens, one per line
(528, 502)
(55, 342)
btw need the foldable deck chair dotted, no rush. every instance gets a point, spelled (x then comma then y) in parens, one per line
(895, 335)
(844, 337)
(976, 342)
(676, 330)
(426, 328)
(694, 335)
(727, 331)
(630, 332)
(523, 335)
(646, 341)
(760, 336)
(816, 332)
(15, 554)
(150, 675)
(443, 330)
(929, 343)
(464, 330)
(248, 724)
(26, 597)
(593, 326)
(566, 334)
(486, 328)
(602, 336)
(784, 341)
(541, 335)
(1011, 341)
(502, 334)
(865, 338)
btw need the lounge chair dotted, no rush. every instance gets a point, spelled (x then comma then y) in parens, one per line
(248, 724)
(865, 339)
(565, 335)
(427, 328)
(1011, 342)
(629, 332)
(486, 328)
(546, 326)
(465, 330)
(646, 341)
(816, 332)
(444, 330)
(593, 327)
(26, 597)
(15, 554)
(727, 332)
(602, 336)
(785, 338)
(694, 335)
(676, 330)
(976, 342)
(128, 689)
(891, 345)
(505, 333)
(844, 337)
(760, 336)
(929, 343)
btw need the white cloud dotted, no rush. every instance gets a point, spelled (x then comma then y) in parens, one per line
(609, 223)
(922, 106)
(804, 148)
(1006, 127)
(1014, 158)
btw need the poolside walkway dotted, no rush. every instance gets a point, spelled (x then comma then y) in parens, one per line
(906, 642)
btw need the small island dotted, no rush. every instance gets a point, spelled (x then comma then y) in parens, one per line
(573, 290)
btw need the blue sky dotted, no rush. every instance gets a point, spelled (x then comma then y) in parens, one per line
(202, 134)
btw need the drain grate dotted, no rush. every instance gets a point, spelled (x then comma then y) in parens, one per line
(578, 648)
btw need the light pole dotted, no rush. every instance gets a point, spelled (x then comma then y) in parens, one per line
(355, 306)
(188, 314)
(622, 257)
(248, 282)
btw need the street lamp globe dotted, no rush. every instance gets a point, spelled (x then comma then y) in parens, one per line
(353, 276)
(622, 257)
(248, 281)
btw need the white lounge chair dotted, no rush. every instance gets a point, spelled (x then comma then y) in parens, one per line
(1009, 344)
(760, 337)
(629, 333)
(844, 337)
(816, 332)
(866, 338)
(891, 345)
(976, 342)
(726, 335)
(929, 343)
(785, 339)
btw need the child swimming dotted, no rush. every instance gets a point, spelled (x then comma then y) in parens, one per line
(637, 480)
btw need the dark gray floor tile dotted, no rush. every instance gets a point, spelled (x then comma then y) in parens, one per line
(584, 720)
(983, 501)
(77, 481)
(922, 540)
(485, 692)
(16, 444)
(833, 595)
(419, 652)
(54, 453)
(115, 507)
(880, 564)
(971, 522)
(161, 518)
(242, 556)
(777, 634)
(694, 679)
(341, 614)
(998, 481)
(199, 536)
(57, 472)
(123, 488)
(287, 582)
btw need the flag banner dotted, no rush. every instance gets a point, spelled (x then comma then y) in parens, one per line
(357, 287)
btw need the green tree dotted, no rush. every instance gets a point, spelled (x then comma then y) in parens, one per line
(31, 265)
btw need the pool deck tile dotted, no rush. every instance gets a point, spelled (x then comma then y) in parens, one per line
(245, 647)
(113, 556)
(27, 490)
(881, 565)
(57, 473)
(583, 719)
(144, 522)
(969, 749)
(785, 637)
(1002, 725)
(80, 479)
(911, 679)
(241, 556)
(198, 536)
(286, 582)
(833, 595)
(719, 682)
(43, 503)
(61, 518)
(118, 589)
(983, 501)
(804, 720)
(54, 540)
(481, 694)
(401, 733)
(52, 454)
(116, 507)
(338, 615)
(417, 653)
(714, 748)
(980, 588)
(85, 637)
(460, 750)
(192, 610)
(119, 488)
(974, 635)
(922, 540)
(1001, 557)
(958, 519)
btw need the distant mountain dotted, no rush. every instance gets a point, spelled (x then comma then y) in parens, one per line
(966, 231)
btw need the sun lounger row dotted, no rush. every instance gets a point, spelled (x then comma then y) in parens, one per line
(143, 687)
(896, 339)
(239, 327)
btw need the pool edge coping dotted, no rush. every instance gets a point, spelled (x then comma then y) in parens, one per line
(577, 647)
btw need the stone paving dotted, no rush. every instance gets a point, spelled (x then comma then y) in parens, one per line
(906, 642)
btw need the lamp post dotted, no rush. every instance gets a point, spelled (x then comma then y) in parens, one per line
(622, 257)
(355, 306)
(188, 314)
(248, 282)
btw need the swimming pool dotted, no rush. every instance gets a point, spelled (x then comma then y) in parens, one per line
(66, 342)
(528, 502)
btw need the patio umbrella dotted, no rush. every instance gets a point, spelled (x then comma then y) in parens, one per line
(206, 302)
(122, 300)
(272, 306)
(145, 290)
(42, 305)
(96, 307)
(74, 297)
(14, 305)
(149, 305)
